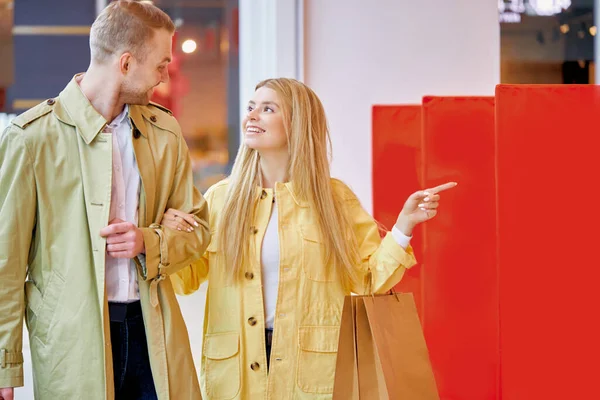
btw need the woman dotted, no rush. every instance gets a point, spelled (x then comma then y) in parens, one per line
(288, 243)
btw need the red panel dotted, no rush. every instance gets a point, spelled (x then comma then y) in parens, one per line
(459, 273)
(396, 174)
(548, 162)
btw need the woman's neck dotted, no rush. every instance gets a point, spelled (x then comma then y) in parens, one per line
(273, 168)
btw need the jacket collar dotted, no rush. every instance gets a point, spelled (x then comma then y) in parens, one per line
(289, 188)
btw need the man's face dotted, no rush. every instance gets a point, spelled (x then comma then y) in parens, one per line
(145, 75)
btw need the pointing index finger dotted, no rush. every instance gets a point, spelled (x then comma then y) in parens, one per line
(441, 188)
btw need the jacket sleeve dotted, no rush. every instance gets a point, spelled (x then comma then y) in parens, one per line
(17, 215)
(384, 260)
(169, 250)
(188, 279)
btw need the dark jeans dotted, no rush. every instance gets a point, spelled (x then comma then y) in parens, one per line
(131, 365)
(269, 340)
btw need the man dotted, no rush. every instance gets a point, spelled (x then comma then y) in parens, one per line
(84, 181)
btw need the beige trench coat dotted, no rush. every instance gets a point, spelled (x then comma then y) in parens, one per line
(55, 191)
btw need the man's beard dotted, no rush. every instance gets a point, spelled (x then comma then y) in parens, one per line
(136, 97)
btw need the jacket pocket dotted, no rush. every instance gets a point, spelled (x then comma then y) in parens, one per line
(317, 358)
(41, 306)
(314, 259)
(222, 365)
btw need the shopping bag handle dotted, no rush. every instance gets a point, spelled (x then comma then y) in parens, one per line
(369, 279)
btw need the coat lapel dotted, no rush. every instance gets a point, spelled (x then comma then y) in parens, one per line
(95, 154)
(146, 167)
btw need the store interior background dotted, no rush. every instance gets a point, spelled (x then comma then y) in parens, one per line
(353, 53)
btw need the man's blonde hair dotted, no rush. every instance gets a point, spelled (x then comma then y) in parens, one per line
(126, 26)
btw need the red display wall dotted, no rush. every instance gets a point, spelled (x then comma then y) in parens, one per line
(456, 280)
(397, 174)
(460, 296)
(548, 164)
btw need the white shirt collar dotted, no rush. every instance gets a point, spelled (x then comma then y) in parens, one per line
(119, 119)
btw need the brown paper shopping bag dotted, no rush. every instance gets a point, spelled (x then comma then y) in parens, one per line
(346, 372)
(382, 352)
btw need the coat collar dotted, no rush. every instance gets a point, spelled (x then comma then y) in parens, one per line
(137, 114)
(74, 109)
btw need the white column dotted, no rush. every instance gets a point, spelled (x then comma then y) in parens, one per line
(361, 53)
(271, 40)
(100, 5)
(5, 121)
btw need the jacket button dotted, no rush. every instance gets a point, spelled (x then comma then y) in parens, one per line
(255, 366)
(253, 230)
(50, 102)
(249, 276)
(153, 118)
(263, 195)
(252, 321)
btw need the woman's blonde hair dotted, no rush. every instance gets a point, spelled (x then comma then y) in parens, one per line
(126, 25)
(308, 170)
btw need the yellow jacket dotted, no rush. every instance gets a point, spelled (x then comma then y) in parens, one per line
(309, 304)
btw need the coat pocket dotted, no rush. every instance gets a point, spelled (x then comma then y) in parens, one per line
(317, 358)
(221, 355)
(314, 257)
(42, 305)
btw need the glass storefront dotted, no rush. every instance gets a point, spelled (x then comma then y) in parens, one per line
(547, 41)
(204, 88)
(46, 43)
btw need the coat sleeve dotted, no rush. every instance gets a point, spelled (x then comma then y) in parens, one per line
(169, 250)
(17, 216)
(384, 260)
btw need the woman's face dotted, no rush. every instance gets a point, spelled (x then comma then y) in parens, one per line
(263, 126)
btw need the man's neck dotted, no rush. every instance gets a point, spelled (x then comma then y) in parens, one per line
(102, 93)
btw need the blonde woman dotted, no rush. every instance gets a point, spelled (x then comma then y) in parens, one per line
(288, 243)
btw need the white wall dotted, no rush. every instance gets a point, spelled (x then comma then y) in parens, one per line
(359, 53)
